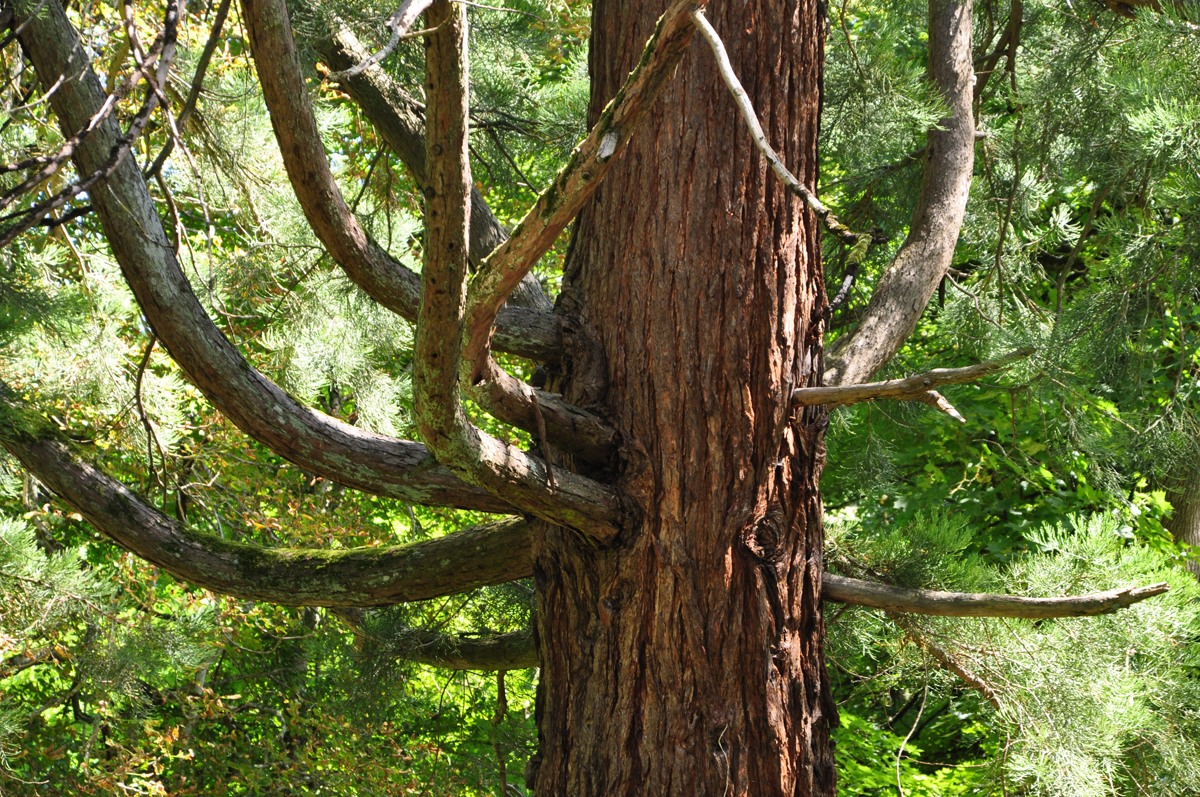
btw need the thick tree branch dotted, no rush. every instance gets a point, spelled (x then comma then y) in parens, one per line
(913, 388)
(907, 285)
(588, 165)
(493, 553)
(569, 428)
(326, 446)
(513, 651)
(968, 604)
(381, 276)
(504, 470)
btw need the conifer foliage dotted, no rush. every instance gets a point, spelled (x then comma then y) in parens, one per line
(327, 471)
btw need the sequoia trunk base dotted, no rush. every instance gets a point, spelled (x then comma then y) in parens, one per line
(688, 658)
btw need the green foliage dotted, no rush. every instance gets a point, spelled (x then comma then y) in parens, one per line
(1080, 241)
(1088, 706)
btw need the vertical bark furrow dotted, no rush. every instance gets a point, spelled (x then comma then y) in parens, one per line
(697, 643)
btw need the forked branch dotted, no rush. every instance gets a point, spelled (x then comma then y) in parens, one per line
(969, 604)
(381, 277)
(400, 23)
(400, 121)
(326, 446)
(503, 470)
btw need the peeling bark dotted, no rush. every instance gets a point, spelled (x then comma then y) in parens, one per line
(480, 556)
(907, 285)
(320, 444)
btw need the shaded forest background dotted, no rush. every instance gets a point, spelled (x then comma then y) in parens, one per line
(1075, 471)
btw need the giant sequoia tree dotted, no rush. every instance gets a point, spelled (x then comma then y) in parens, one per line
(669, 515)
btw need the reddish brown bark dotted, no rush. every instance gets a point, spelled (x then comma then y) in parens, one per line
(688, 659)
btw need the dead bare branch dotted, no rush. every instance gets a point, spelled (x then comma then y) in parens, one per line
(742, 100)
(400, 23)
(914, 388)
(934, 603)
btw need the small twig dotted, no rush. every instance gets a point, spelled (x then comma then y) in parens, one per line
(912, 730)
(500, 146)
(124, 144)
(541, 425)
(497, 718)
(950, 663)
(498, 8)
(399, 23)
(189, 105)
(151, 437)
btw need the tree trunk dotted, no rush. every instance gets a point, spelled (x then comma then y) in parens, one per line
(1184, 522)
(688, 659)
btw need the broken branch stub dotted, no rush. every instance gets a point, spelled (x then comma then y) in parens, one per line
(921, 387)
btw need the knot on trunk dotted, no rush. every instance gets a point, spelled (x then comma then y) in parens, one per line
(764, 539)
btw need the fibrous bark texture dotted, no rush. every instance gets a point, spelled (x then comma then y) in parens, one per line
(687, 659)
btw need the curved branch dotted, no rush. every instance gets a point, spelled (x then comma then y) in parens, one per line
(400, 122)
(381, 276)
(908, 284)
(326, 446)
(493, 553)
(587, 167)
(968, 604)
(523, 480)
